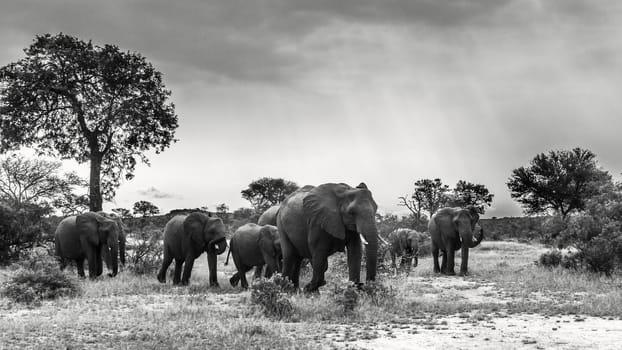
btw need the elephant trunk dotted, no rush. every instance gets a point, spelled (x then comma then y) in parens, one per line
(217, 245)
(370, 233)
(114, 253)
(478, 238)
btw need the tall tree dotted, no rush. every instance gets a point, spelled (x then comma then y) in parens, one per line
(559, 181)
(145, 209)
(430, 195)
(470, 194)
(95, 104)
(267, 191)
(26, 181)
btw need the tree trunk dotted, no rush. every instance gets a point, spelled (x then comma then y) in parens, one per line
(95, 194)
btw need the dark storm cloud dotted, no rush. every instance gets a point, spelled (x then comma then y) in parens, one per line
(234, 39)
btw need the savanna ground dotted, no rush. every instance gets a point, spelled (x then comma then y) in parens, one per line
(507, 302)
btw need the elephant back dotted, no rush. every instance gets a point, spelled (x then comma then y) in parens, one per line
(269, 216)
(67, 239)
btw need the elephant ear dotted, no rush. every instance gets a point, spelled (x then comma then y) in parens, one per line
(266, 240)
(474, 213)
(193, 226)
(322, 208)
(87, 223)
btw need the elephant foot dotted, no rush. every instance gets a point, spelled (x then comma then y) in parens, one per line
(184, 283)
(449, 273)
(311, 288)
(233, 281)
(161, 279)
(463, 273)
(110, 275)
(214, 284)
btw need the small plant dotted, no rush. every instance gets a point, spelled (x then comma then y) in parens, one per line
(145, 251)
(270, 294)
(379, 294)
(572, 261)
(550, 259)
(38, 278)
(600, 255)
(347, 298)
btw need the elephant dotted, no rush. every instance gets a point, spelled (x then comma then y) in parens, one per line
(316, 222)
(269, 216)
(452, 229)
(405, 243)
(122, 239)
(186, 237)
(254, 245)
(86, 236)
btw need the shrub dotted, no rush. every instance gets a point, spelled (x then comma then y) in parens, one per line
(145, 251)
(378, 294)
(346, 298)
(550, 259)
(38, 278)
(601, 255)
(20, 230)
(270, 294)
(572, 260)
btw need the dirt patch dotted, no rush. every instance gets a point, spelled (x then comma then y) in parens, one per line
(518, 331)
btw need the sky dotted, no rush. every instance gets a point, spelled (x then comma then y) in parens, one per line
(384, 92)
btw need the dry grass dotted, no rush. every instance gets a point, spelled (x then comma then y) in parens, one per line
(132, 312)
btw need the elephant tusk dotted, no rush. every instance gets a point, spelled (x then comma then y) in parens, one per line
(363, 239)
(383, 240)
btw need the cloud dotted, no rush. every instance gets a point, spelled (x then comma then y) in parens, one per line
(153, 192)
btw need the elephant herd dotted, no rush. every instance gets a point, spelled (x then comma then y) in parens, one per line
(312, 223)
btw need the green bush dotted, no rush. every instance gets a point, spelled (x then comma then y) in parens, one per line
(550, 259)
(21, 229)
(347, 298)
(378, 294)
(271, 295)
(38, 277)
(144, 250)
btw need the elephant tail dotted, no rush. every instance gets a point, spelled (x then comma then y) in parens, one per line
(228, 253)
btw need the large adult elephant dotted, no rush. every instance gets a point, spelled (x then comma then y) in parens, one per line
(122, 238)
(269, 216)
(86, 236)
(452, 229)
(186, 237)
(254, 245)
(316, 222)
(404, 242)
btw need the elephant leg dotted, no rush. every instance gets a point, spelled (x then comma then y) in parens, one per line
(211, 264)
(444, 262)
(234, 279)
(319, 262)
(80, 267)
(393, 265)
(437, 268)
(168, 259)
(258, 272)
(407, 262)
(177, 273)
(188, 264)
(296, 272)
(416, 261)
(98, 262)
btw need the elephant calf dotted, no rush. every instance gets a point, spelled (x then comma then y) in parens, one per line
(254, 245)
(186, 237)
(404, 242)
(87, 236)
